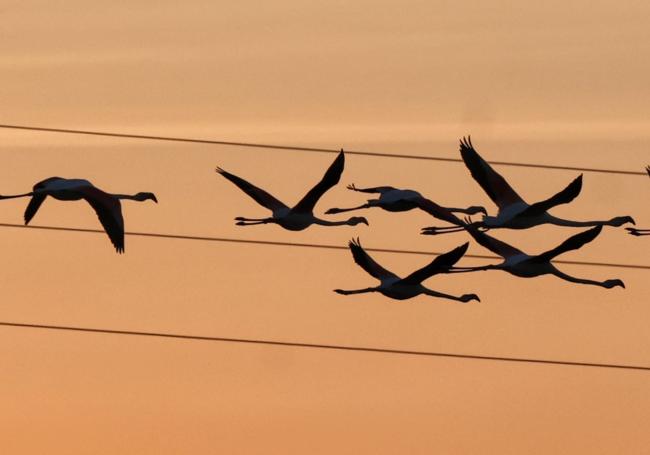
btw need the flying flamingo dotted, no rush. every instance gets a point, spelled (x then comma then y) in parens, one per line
(301, 215)
(523, 265)
(514, 212)
(398, 200)
(635, 231)
(106, 205)
(404, 288)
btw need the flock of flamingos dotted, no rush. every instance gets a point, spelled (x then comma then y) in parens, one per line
(513, 213)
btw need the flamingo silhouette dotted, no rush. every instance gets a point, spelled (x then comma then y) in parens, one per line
(635, 231)
(300, 216)
(397, 200)
(523, 265)
(106, 205)
(514, 212)
(404, 288)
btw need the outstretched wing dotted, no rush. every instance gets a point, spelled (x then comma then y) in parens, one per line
(440, 264)
(563, 197)
(367, 263)
(331, 178)
(438, 211)
(491, 181)
(259, 195)
(33, 206)
(109, 212)
(572, 243)
(496, 246)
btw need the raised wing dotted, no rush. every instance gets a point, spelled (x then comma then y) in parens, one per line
(331, 178)
(491, 181)
(563, 197)
(496, 246)
(109, 212)
(33, 206)
(440, 264)
(259, 195)
(572, 243)
(367, 263)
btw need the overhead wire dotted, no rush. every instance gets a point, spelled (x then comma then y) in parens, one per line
(305, 245)
(337, 347)
(308, 149)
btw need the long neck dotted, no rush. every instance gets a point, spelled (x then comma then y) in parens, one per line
(127, 196)
(330, 223)
(573, 279)
(440, 295)
(16, 195)
(355, 291)
(571, 223)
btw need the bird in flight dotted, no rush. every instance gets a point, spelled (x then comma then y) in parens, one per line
(301, 215)
(398, 200)
(635, 231)
(514, 212)
(106, 205)
(523, 265)
(404, 288)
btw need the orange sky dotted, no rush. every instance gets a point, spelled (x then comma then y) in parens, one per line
(562, 83)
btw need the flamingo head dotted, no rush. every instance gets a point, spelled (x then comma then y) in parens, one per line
(621, 220)
(476, 209)
(145, 196)
(609, 284)
(468, 297)
(356, 220)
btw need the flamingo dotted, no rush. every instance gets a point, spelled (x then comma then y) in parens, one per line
(635, 231)
(404, 288)
(514, 212)
(106, 205)
(523, 265)
(301, 215)
(398, 200)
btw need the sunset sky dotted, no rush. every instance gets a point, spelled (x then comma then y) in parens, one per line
(556, 82)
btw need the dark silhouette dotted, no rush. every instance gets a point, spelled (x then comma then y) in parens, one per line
(639, 232)
(106, 205)
(514, 212)
(397, 200)
(523, 265)
(301, 215)
(404, 288)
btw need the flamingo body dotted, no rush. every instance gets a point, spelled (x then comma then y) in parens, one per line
(411, 286)
(106, 205)
(300, 216)
(514, 212)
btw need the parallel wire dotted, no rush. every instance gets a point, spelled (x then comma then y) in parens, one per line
(306, 245)
(328, 346)
(309, 149)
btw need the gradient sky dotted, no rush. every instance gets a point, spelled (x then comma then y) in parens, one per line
(559, 83)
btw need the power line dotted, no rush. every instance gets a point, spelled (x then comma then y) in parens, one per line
(309, 149)
(306, 245)
(327, 346)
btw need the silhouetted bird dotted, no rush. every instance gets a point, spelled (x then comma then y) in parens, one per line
(514, 212)
(301, 215)
(106, 205)
(397, 200)
(523, 265)
(404, 288)
(635, 231)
